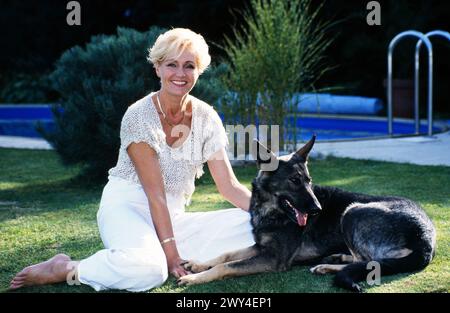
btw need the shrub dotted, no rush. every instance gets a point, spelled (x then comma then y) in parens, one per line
(97, 83)
(277, 52)
(27, 88)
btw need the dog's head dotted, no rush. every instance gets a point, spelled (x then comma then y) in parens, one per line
(286, 189)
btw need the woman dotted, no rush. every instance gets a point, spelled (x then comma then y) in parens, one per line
(166, 137)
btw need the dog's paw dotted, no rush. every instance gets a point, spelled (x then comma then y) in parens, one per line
(189, 280)
(327, 268)
(320, 269)
(195, 267)
(357, 288)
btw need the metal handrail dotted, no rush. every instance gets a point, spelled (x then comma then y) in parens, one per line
(392, 45)
(416, 82)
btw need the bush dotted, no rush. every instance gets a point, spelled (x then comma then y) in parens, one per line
(27, 88)
(97, 84)
(277, 52)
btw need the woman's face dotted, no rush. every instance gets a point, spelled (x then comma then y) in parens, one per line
(178, 76)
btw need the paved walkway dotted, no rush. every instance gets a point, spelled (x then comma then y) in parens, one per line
(24, 143)
(420, 150)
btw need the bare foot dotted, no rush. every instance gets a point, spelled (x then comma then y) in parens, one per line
(54, 270)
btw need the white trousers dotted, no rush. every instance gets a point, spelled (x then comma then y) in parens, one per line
(133, 258)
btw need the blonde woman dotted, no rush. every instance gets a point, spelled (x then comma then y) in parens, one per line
(166, 137)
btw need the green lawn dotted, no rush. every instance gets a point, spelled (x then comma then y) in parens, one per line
(45, 210)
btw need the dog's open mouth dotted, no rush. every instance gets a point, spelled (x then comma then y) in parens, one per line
(301, 217)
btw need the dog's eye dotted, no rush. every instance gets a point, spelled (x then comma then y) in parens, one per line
(295, 180)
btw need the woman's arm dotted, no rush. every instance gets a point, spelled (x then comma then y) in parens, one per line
(147, 167)
(226, 182)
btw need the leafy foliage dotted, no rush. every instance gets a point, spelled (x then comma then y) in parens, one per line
(278, 51)
(27, 88)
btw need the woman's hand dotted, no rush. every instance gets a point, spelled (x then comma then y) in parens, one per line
(176, 268)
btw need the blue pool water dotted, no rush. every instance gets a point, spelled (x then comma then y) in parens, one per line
(341, 128)
(16, 120)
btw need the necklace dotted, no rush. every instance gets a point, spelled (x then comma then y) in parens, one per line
(164, 114)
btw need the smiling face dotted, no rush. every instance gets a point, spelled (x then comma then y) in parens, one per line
(178, 74)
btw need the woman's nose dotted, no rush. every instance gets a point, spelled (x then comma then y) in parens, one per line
(180, 72)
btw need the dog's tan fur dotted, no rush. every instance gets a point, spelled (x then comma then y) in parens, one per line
(227, 265)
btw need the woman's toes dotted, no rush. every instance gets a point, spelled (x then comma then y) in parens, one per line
(16, 281)
(51, 271)
(15, 285)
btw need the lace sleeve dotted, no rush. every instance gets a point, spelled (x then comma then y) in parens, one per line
(138, 127)
(216, 136)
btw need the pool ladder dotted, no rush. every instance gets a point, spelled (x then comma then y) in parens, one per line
(423, 39)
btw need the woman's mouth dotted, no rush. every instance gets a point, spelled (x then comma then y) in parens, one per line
(179, 83)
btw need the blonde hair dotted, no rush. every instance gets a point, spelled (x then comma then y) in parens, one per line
(174, 42)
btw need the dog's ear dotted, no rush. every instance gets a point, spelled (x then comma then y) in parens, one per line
(303, 152)
(266, 160)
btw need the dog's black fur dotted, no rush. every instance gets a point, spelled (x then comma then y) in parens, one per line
(296, 222)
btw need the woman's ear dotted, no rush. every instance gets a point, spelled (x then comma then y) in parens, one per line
(157, 71)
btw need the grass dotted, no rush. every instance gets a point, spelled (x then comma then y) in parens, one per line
(45, 209)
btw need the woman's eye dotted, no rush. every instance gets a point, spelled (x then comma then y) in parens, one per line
(171, 65)
(190, 66)
(295, 180)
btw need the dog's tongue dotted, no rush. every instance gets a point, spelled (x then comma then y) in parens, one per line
(301, 218)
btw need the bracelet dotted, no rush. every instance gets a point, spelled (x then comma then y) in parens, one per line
(167, 240)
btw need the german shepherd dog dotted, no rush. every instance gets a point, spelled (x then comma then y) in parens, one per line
(295, 222)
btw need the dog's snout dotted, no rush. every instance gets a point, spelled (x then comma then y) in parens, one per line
(315, 209)
(314, 206)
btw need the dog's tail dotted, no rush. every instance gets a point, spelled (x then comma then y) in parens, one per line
(353, 273)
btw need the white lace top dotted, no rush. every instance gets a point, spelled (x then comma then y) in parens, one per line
(180, 165)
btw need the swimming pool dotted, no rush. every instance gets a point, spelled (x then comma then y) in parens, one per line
(21, 120)
(332, 127)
